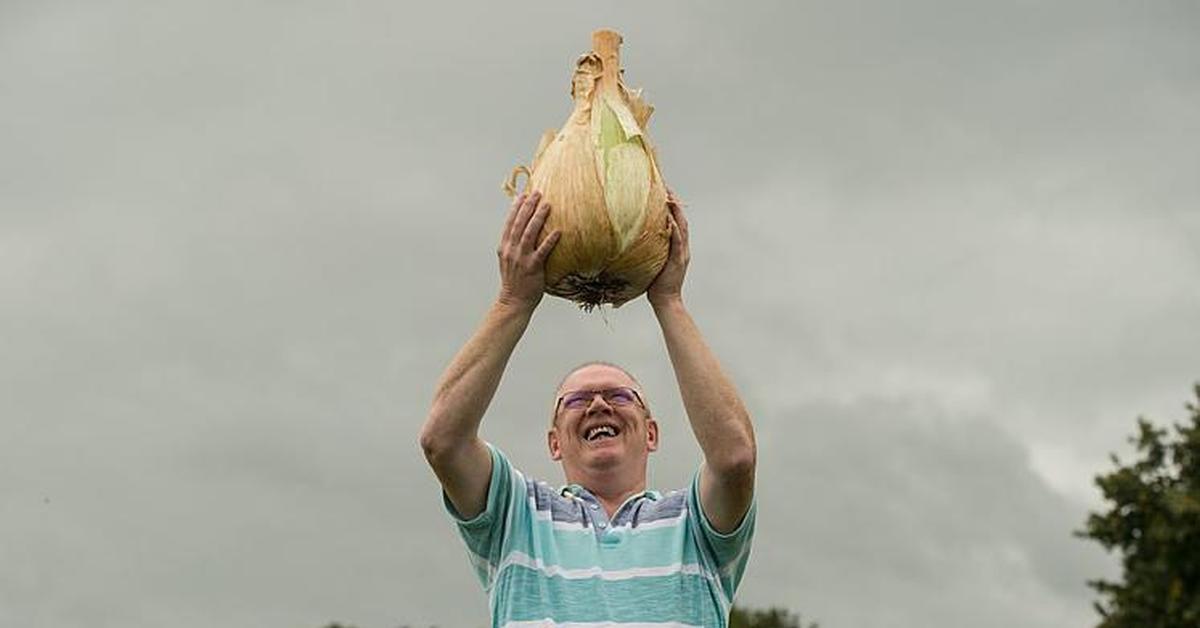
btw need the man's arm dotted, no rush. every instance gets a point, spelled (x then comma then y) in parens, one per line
(714, 409)
(450, 436)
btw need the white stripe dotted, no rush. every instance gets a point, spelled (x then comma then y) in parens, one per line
(549, 623)
(657, 523)
(525, 560)
(567, 526)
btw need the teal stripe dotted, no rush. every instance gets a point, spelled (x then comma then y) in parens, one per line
(580, 549)
(531, 595)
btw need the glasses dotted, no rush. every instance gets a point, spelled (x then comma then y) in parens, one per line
(580, 399)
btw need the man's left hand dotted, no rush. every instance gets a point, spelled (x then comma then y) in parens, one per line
(668, 285)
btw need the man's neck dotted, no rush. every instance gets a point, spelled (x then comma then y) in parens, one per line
(610, 489)
(613, 501)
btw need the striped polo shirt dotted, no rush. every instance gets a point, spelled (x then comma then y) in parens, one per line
(551, 557)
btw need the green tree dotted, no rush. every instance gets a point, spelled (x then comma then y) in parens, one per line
(769, 618)
(1154, 522)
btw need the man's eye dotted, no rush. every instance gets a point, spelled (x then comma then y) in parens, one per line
(575, 402)
(621, 397)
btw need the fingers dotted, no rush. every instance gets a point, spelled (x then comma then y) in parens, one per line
(523, 215)
(676, 235)
(534, 229)
(673, 199)
(547, 245)
(678, 219)
(676, 207)
(680, 252)
(512, 217)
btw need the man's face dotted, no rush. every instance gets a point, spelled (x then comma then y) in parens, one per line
(601, 433)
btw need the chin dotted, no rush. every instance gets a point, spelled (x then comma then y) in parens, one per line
(608, 457)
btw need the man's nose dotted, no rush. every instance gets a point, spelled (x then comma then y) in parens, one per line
(604, 405)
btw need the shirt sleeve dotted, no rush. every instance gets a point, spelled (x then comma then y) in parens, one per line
(485, 533)
(729, 553)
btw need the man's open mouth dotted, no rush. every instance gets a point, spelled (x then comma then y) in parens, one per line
(600, 432)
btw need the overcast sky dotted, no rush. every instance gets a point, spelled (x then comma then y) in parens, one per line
(949, 251)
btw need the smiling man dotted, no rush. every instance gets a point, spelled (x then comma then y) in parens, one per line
(602, 550)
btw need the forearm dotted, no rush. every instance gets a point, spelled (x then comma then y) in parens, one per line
(715, 410)
(470, 381)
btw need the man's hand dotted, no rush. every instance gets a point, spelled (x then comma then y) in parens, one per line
(668, 285)
(522, 259)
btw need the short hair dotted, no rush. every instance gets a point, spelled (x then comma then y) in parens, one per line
(596, 363)
(636, 384)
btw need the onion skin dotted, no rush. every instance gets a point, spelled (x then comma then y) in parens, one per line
(613, 244)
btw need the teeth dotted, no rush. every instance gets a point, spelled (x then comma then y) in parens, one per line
(600, 429)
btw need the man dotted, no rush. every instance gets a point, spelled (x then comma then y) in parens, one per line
(603, 549)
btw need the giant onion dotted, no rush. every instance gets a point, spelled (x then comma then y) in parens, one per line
(600, 176)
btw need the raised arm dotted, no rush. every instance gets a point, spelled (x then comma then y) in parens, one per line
(714, 409)
(450, 436)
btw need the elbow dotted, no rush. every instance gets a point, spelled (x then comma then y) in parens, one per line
(744, 463)
(433, 440)
(430, 444)
(739, 459)
(438, 449)
(440, 438)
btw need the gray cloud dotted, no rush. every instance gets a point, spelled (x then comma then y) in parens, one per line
(886, 513)
(949, 252)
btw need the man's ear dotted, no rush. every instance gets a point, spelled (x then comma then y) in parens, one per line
(651, 434)
(552, 443)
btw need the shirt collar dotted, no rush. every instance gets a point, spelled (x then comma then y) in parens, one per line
(577, 490)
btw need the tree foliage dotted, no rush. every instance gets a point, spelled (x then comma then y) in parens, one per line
(768, 618)
(1154, 522)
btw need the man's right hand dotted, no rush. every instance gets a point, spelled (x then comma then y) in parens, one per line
(522, 259)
